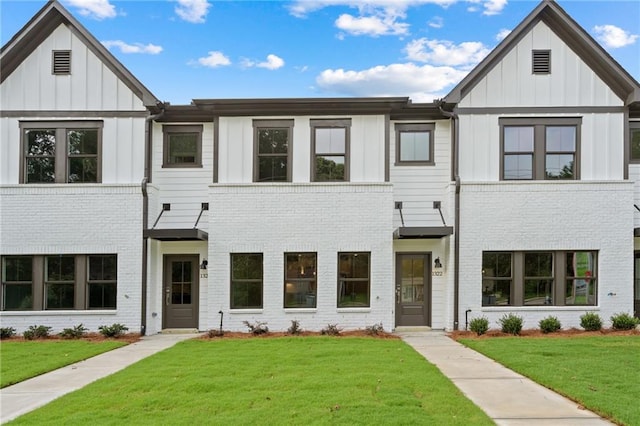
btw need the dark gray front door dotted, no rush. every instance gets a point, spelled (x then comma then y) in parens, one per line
(180, 291)
(636, 284)
(413, 289)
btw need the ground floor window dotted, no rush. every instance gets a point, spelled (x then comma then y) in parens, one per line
(300, 283)
(539, 278)
(59, 282)
(246, 280)
(353, 279)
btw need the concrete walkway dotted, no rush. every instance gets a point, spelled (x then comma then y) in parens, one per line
(26, 396)
(507, 397)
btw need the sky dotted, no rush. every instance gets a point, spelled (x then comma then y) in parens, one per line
(205, 49)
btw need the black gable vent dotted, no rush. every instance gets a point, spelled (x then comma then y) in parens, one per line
(61, 62)
(541, 61)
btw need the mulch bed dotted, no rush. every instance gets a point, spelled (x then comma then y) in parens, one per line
(91, 337)
(535, 333)
(347, 333)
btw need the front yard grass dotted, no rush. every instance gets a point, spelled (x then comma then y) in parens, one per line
(602, 373)
(288, 380)
(23, 360)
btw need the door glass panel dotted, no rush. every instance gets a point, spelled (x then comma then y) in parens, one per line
(412, 285)
(181, 282)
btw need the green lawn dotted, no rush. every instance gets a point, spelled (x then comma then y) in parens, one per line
(600, 372)
(279, 381)
(20, 360)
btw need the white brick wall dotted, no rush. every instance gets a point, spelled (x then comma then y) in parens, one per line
(513, 216)
(76, 219)
(277, 218)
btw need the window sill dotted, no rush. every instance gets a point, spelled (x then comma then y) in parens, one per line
(245, 311)
(60, 312)
(354, 310)
(182, 166)
(300, 310)
(413, 163)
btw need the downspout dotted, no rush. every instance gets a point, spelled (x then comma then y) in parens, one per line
(456, 243)
(148, 134)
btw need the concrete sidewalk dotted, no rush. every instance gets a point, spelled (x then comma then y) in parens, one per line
(26, 396)
(507, 397)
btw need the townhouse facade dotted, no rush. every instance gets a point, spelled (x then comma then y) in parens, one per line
(514, 193)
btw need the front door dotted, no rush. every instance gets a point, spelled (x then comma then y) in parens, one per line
(180, 291)
(413, 289)
(636, 284)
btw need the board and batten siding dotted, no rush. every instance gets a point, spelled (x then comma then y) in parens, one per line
(419, 186)
(601, 145)
(91, 85)
(511, 83)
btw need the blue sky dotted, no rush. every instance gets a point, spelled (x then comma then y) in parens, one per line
(192, 49)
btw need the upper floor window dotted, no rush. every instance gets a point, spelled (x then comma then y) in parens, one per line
(182, 146)
(61, 152)
(272, 147)
(414, 144)
(540, 148)
(330, 150)
(634, 141)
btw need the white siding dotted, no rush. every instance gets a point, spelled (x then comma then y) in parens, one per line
(511, 82)
(91, 85)
(549, 216)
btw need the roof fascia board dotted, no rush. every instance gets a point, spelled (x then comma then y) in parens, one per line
(52, 15)
(548, 11)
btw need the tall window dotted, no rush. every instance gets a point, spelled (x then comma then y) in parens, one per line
(272, 150)
(353, 280)
(634, 141)
(414, 144)
(61, 152)
(536, 148)
(246, 280)
(182, 146)
(533, 279)
(300, 285)
(60, 282)
(102, 281)
(17, 283)
(330, 139)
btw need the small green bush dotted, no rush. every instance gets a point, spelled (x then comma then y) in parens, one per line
(257, 328)
(73, 333)
(550, 324)
(479, 325)
(36, 332)
(294, 329)
(331, 330)
(591, 321)
(374, 330)
(7, 332)
(511, 324)
(113, 330)
(624, 321)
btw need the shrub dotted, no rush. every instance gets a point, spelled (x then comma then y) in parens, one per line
(295, 328)
(7, 332)
(114, 330)
(331, 330)
(624, 321)
(36, 332)
(374, 330)
(73, 333)
(549, 324)
(591, 321)
(511, 324)
(257, 328)
(479, 325)
(215, 332)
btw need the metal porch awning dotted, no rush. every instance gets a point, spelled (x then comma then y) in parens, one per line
(176, 234)
(422, 232)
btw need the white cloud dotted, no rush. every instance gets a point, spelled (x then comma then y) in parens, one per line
(502, 34)
(273, 62)
(371, 25)
(302, 8)
(436, 22)
(215, 59)
(151, 49)
(613, 37)
(443, 52)
(193, 11)
(97, 9)
(493, 7)
(422, 83)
